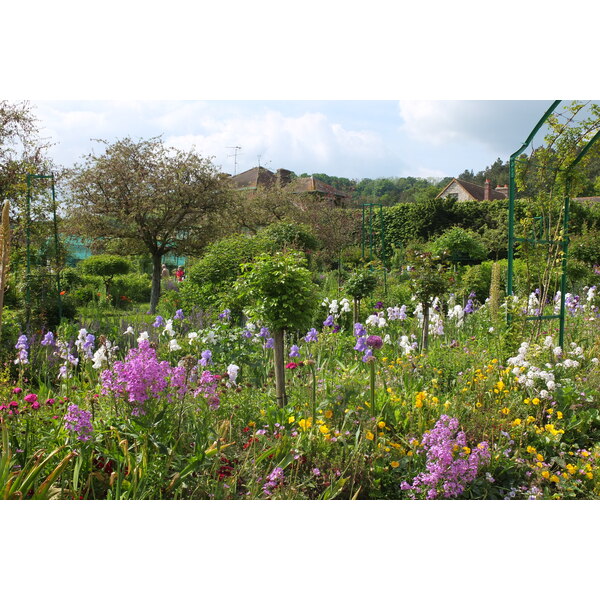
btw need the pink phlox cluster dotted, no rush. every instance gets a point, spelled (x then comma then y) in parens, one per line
(79, 421)
(142, 377)
(207, 387)
(446, 473)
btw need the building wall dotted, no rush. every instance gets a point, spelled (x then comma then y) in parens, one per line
(455, 188)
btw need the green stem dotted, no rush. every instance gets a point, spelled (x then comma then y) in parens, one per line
(372, 367)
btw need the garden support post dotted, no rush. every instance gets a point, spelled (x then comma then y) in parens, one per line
(278, 352)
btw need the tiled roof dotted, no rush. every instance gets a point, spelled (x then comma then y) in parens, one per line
(312, 184)
(477, 192)
(252, 178)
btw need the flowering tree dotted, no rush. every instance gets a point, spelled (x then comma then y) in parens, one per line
(281, 291)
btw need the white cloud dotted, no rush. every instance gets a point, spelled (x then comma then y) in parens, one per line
(309, 142)
(497, 124)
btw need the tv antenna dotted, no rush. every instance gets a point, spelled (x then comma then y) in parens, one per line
(259, 157)
(235, 155)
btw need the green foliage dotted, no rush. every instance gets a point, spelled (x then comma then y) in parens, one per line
(361, 284)
(105, 266)
(209, 281)
(428, 276)
(280, 289)
(460, 245)
(284, 235)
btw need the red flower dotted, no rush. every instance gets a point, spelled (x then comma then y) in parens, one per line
(291, 365)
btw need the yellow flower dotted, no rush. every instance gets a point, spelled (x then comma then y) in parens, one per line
(535, 401)
(418, 403)
(251, 424)
(505, 410)
(291, 419)
(305, 424)
(529, 419)
(516, 422)
(554, 479)
(328, 414)
(550, 411)
(466, 450)
(559, 415)
(526, 401)
(324, 429)
(546, 474)
(381, 424)
(540, 457)
(589, 475)
(369, 435)
(395, 464)
(478, 404)
(500, 385)
(531, 449)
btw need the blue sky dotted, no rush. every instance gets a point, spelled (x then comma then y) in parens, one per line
(355, 139)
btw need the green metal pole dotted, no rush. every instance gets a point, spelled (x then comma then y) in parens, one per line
(28, 244)
(511, 197)
(563, 278)
(362, 237)
(56, 250)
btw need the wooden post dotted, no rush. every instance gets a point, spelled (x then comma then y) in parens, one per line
(278, 352)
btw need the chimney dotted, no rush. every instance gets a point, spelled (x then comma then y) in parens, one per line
(284, 177)
(487, 190)
(502, 189)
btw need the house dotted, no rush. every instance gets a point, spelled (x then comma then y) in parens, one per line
(464, 191)
(258, 177)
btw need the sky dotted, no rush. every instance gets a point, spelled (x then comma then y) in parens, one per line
(354, 139)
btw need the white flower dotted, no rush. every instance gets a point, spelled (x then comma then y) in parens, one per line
(232, 371)
(491, 330)
(129, 330)
(169, 328)
(192, 336)
(372, 320)
(173, 345)
(595, 360)
(143, 336)
(557, 351)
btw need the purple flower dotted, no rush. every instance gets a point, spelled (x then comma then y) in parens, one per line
(448, 472)
(294, 351)
(378, 305)
(264, 332)
(359, 330)
(48, 339)
(22, 346)
(224, 316)
(361, 344)
(159, 322)
(270, 343)
(206, 358)
(79, 421)
(311, 336)
(274, 479)
(469, 306)
(179, 314)
(367, 355)
(316, 472)
(328, 322)
(247, 334)
(374, 341)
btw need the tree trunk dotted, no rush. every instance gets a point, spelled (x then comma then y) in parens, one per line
(278, 352)
(155, 292)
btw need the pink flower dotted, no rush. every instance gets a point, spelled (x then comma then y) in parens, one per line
(17, 390)
(291, 365)
(30, 398)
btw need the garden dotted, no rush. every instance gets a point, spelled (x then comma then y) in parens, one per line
(287, 364)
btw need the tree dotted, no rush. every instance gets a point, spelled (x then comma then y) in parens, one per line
(155, 198)
(106, 267)
(284, 297)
